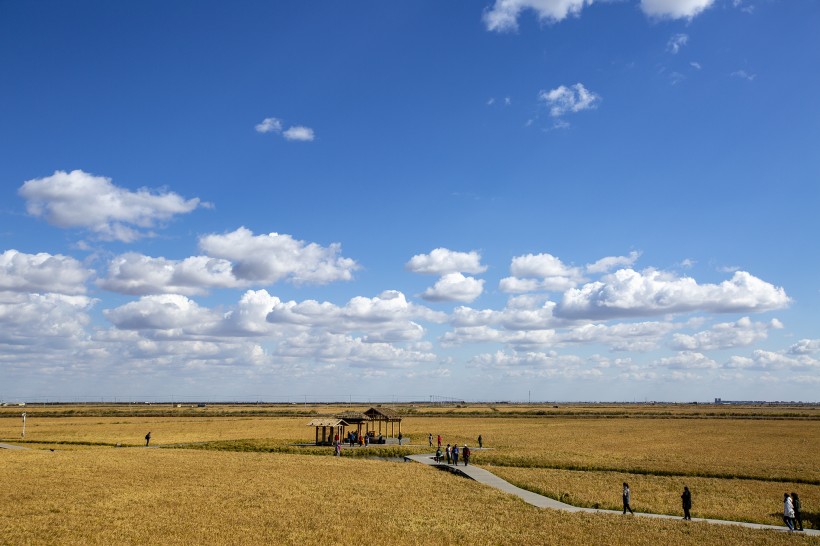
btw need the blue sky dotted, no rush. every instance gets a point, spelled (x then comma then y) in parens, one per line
(511, 200)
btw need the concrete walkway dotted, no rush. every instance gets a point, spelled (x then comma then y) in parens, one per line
(488, 478)
(10, 446)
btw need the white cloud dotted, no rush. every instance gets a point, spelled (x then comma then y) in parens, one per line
(455, 287)
(327, 347)
(534, 272)
(726, 335)
(563, 100)
(163, 312)
(269, 125)
(686, 360)
(742, 74)
(44, 321)
(386, 316)
(674, 9)
(443, 260)
(771, 360)
(82, 200)
(503, 15)
(611, 262)
(295, 132)
(628, 293)
(676, 42)
(274, 257)
(805, 347)
(133, 273)
(300, 133)
(42, 272)
(695, 65)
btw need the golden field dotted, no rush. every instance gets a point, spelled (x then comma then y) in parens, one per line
(160, 496)
(737, 468)
(736, 500)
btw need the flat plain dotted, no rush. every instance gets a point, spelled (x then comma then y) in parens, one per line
(234, 475)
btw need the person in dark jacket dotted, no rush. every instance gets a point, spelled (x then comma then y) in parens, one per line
(686, 499)
(627, 497)
(796, 505)
(147, 439)
(465, 454)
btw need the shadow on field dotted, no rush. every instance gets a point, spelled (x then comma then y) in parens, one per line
(811, 520)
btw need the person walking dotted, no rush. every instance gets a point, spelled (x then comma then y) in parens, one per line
(439, 440)
(627, 498)
(438, 455)
(798, 518)
(480, 442)
(430, 439)
(686, 499)
(447, 453)
(147, 439)
(400, 437)
(455, 455)
(788, 511)
(465, 454)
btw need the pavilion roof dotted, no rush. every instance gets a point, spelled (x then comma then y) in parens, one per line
(353, 416)
(327, 422)
(382, 414)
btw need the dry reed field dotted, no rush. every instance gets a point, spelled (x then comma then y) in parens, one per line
(737, 468)
(160, 496)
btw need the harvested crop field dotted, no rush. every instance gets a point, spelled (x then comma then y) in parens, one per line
(235, 478)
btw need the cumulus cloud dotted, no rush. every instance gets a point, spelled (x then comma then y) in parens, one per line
(269, 125)
(726, 335)
(299, 132)
(628, 293)
(78, 199)
(674, 9)
(328, 347)
(676, 42)
(45, 321)
(805, 347)
(503, 15)
(773, 360)
(743, 75)
(386, 316)
(134, 273)
(274, 257)
(276, 126)
(163, 312)
(609, 263)
(563, 100)
(442, 261)
(534, 272)
(455, 287)
(685, 360)
(41, 273)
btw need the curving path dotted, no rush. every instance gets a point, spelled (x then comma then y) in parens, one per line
(11, 446)
(488, 478)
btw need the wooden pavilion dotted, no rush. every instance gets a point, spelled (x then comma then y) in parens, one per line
(331, 427)
(387, 418)
(376, 423)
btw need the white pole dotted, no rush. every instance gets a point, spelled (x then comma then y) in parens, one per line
(24, 425)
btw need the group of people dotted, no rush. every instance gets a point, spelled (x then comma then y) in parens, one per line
(792, 516)
(354, 438)
(791, 512)
(451, 454)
